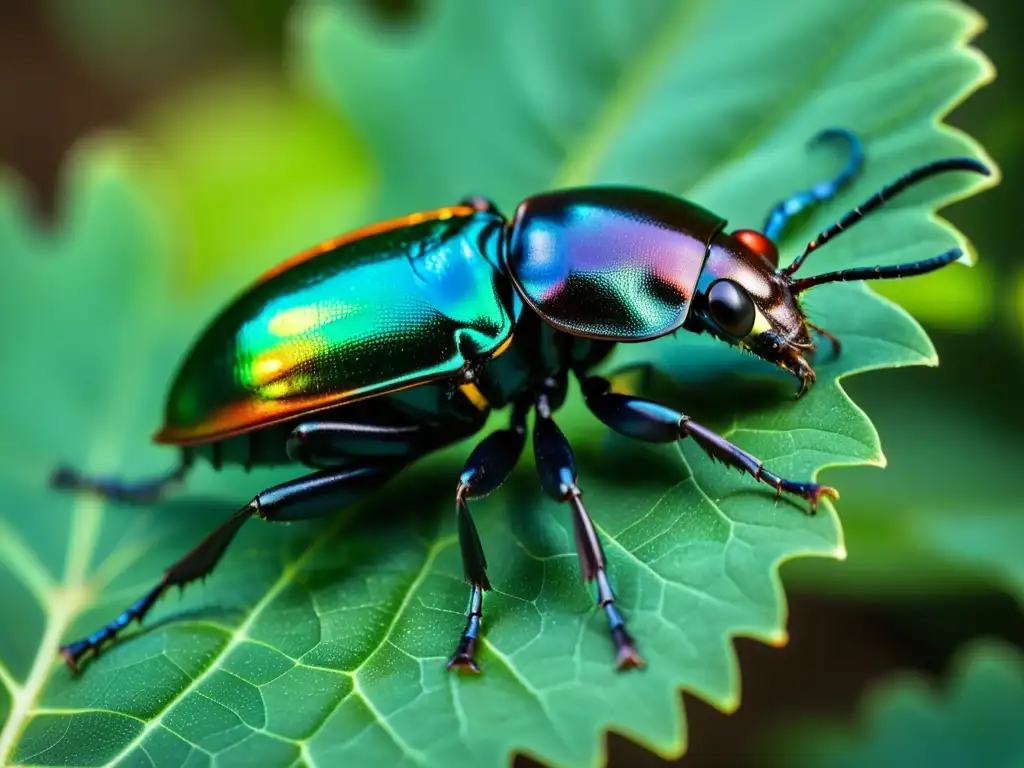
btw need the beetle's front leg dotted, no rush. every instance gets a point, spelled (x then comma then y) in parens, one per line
(556, 466)
(646, 420)
(490, 464)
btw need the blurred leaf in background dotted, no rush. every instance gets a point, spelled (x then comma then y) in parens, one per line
(973, 719)
(137, 44)
(318, 642)
(257, 169)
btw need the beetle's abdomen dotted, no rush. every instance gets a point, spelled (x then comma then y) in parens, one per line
(400, 306)
(614, 263)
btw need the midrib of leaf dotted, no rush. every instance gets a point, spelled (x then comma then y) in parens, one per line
(24, 566)
(66, 600)
(63, 604)
(579, 167)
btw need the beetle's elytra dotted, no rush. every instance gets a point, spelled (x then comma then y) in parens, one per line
(359, 356)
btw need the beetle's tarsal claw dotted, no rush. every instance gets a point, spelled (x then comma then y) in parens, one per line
(72, 654)
(816, 494)
(805, 374)
(626, 655)
(465, 653)
(464, 657)
(810, 491)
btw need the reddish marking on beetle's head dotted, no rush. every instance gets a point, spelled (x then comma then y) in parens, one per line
(759, 244)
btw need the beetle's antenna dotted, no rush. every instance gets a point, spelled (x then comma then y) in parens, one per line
(783, 212)
(880, 273)
(884, 195)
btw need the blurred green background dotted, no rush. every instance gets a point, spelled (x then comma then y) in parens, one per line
(209, 85)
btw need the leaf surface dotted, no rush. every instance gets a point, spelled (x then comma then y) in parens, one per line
(325, 643)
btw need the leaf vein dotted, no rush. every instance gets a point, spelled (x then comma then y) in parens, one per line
(579, 167)
(286, 578)
(23, 564)
(413, 754)
(440, 545)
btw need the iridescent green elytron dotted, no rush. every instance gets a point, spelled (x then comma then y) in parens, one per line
(393, 309)
(361, 355)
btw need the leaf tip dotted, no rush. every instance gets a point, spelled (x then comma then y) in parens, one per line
(729, 704)
(839, 553)
(779, 638)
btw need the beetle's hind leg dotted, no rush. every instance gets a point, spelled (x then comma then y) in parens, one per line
(779, 216)
(146, 491)
(307, 497)
(556, 466)
(649, 421)
(487, 467)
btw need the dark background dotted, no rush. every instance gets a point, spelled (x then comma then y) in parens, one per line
(53, 90)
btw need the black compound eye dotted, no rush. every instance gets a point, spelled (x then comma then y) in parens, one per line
(731, 308)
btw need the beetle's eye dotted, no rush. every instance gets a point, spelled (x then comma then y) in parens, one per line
(731, 308)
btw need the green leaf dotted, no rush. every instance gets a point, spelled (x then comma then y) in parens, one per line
(325, 643)
(974, 719)
(254, 167)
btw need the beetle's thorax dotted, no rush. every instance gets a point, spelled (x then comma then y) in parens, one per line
(609, 263)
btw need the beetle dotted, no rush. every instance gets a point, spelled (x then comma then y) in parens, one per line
(362, 354)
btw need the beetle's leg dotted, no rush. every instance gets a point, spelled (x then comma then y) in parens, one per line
(486, 469)
(646, 420)
(836, 346)
(781, 214)
(300, 499)
(322, 444)
(141, 492)
(480, 203)
(556, 466)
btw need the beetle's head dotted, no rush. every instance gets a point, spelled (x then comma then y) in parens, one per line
(743, 298)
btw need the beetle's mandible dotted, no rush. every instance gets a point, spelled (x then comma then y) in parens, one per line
(359, 356)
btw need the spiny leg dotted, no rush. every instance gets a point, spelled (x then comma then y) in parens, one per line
(300, 499)
(486, 469)
(556, 466)
(836, 346)
(784, 211)
(146, 491)
(646, 420)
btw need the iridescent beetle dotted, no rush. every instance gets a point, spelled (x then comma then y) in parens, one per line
(362, 354)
